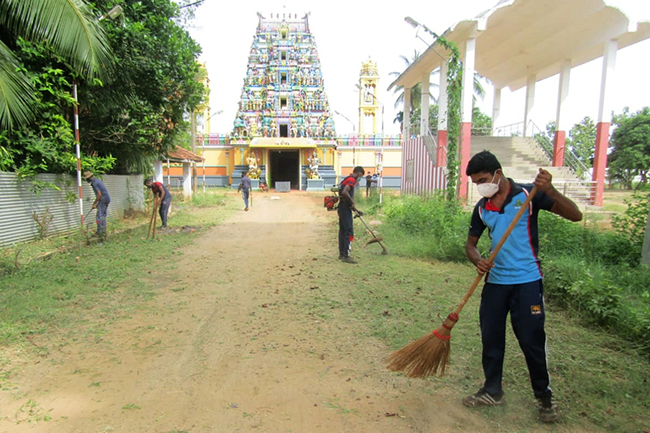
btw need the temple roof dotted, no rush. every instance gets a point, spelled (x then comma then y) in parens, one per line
(519, 38)
(183, 155)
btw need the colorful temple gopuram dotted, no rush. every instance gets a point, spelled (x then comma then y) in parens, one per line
(284, 128)
(284, 133)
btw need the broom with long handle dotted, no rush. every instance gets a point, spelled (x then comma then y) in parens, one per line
(153, 213)
(155, 217)
(430, 354)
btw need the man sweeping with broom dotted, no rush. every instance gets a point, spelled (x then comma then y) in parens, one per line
(164, 197)
(513, 281)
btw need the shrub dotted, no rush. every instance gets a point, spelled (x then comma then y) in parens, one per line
(434, 221)
(592, 272)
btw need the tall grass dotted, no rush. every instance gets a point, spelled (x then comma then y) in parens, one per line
(594, 273)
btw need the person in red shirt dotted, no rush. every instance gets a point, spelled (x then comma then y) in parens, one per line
(164, 197)
(346, 206)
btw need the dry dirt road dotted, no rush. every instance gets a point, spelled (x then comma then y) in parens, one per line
(224, 346)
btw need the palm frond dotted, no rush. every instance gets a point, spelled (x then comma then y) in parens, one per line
(16, 92)
(68, 25)
(478, 86)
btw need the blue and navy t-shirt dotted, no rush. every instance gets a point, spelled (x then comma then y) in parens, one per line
(351, 182)
(245, 183)
(98, 185)
(517, 261)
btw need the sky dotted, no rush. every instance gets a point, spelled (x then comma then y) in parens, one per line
(347, 33)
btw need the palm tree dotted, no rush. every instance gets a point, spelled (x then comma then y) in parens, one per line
(416, 91)
(68, 26)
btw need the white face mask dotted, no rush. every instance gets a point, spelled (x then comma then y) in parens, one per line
(487, 190)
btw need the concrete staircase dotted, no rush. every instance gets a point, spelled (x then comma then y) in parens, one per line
(521, 158)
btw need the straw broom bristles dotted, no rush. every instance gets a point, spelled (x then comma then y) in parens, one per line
(427, 354)
(430, 354)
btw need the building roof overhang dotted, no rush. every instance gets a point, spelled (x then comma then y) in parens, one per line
(519, 38)
(179, 154)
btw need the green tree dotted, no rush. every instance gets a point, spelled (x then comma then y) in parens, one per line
(46, 142)
(416, 92)
(481, 123)
(582, 139)
(127, 119)
(140, 113)
(67, 26)
(630, 147)
(550, 131)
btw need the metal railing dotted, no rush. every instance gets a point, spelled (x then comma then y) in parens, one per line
(582, 192)
(431, 144)
(512, 130)
(571, 160)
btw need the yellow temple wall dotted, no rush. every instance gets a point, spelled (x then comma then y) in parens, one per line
(218, 161)
(221, 160)
(367, 158)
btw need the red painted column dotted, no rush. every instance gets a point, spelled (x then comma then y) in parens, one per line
(558, 148)
(600, 161)
(442, 149)
(465, 154)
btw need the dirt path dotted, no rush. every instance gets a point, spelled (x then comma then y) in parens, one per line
(223, 347)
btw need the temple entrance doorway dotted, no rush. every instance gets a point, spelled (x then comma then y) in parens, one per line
(285, 167)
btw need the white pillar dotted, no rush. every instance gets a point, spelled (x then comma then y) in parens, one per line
(468, 80)
(563, 94)
(406, 119)
(496, 109)
(424, 105)
(609, 66)
(530, 104)
(559, 138)
(158, 171)
(187, 179)
(602, 126)
(442, 97)
(465, 145)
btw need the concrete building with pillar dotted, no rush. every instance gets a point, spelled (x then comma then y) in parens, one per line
(181, 162)
(516, 44)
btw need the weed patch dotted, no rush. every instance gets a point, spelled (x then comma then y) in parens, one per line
(104, 279)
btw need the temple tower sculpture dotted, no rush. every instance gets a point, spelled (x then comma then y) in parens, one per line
(284, 119)
(369, 109)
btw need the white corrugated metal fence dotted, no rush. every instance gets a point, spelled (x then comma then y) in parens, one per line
(419, 173)
(18, 203)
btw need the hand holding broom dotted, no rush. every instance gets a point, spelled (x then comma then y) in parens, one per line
(430, 354)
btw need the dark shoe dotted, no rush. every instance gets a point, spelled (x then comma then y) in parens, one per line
(482, 398)
(341, 257)
(246, 209)
(348, 259)
(548, 411)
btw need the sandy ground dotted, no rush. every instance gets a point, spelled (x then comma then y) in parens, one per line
(223, 347)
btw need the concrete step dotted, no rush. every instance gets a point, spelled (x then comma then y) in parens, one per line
(521, 159)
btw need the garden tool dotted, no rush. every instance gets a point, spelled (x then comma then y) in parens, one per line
(375, 238)
(430, 354)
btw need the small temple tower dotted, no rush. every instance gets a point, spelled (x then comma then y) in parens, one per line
(369, 109)
(283, 133)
